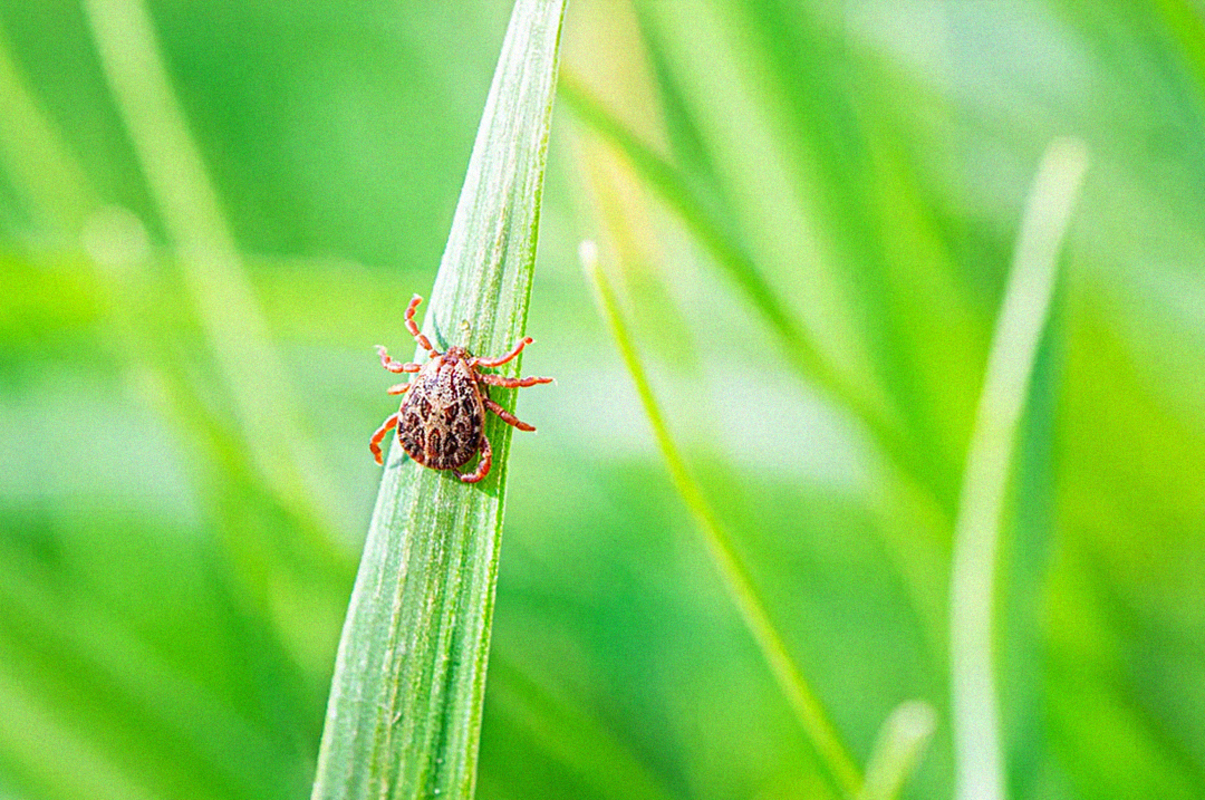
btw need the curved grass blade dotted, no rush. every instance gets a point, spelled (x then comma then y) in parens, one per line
(901, 742)
(404, 715)
(1023, 313)
(799, 694)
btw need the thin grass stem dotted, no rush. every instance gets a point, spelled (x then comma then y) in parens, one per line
(1023, 315)
(802, 699)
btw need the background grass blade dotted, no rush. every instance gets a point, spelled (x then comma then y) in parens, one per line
(802, 699)
(212, 267)
(716, 237)
(976, 718)
(404, 714)
(900, 745)
(34, 156)
(905, 464)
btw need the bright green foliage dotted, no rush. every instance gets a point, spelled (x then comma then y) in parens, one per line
(809, 213)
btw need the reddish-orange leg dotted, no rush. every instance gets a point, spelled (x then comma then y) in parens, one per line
(398, 366)
(512, 383)
(374, 444)
(390, 364)
(483, 466)
(500, 360)
(412, 326)
(507, 417)
(398, 388)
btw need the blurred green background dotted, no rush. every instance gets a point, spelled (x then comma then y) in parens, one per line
(177, 545)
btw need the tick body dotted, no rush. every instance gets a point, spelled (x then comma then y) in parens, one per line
(441, 422)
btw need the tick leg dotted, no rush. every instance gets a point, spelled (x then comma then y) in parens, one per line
(496, 362)
(507, 417)
(398, 388)
(374, 444)
(483, 466)
(512, 383)
(411, 326)
(395, 366)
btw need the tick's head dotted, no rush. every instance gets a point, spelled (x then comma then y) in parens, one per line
(455, 354)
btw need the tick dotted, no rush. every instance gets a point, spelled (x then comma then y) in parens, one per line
(441, 422)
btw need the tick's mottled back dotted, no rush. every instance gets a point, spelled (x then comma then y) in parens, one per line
(441, 419)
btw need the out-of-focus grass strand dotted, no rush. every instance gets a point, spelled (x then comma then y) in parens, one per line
(799, 694)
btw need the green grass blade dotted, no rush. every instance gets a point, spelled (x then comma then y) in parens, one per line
(717, 238)
(1027, 568)
(901, 742)
(404, 714)
(676, 191)
(1026, 304)
(212, 267)
(802, 699)
(34, 156)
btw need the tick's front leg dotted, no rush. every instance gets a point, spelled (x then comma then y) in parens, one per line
(374, 444)
(500, 360)
(395, 366)
(412, 326)
(483, 466)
